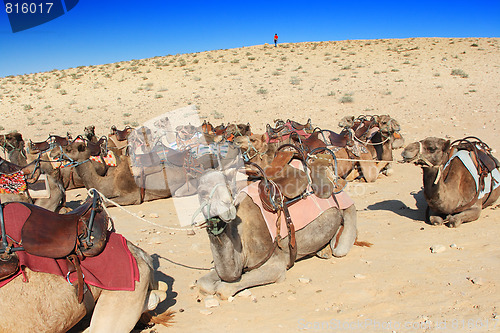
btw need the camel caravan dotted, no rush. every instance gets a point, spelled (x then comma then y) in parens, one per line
(266, 200)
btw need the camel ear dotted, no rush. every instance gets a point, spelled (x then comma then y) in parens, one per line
(263, 138)
(446, 145)
(395, 125)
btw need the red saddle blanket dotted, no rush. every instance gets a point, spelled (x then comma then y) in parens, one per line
(114, 269)
(302, 212)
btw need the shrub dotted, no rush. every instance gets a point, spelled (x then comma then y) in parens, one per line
(346, 99)
(459, 72)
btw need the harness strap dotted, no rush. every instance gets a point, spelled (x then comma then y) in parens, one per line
(74, 265)
(292, 245)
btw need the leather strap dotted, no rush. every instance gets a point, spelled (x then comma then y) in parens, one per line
(74, 265)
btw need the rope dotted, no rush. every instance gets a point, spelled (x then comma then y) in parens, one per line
(358, 160)
(137, 216)
(367, 142)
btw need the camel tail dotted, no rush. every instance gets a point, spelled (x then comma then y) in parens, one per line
(362, 243)
(151, 318)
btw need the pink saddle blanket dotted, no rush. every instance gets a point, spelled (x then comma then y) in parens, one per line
(114, 269)
(302, 212)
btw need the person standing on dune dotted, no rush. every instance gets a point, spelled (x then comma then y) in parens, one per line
(275, 40)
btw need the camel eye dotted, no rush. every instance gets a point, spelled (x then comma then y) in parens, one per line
(431, 149)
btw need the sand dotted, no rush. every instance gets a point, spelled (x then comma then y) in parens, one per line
(439, 87)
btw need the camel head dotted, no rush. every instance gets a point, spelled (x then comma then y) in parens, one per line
(346, 122)
(388, 125)
(428, 152)
(252, 145)
(89, 132)
(13, 143)
(76, 152)
(215, 197)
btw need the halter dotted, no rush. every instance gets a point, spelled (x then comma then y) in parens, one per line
(212, 222)
(246, 155)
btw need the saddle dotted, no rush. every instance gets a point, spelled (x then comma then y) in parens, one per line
(52, 140)
(121, 135)
(291, 181)
(307, 127)
(31, 172)
(74, 236)
(99, 147)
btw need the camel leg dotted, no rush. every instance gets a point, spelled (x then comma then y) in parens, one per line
(207, 283)
(433, 218)
(468, 215)
(348, 235)
(110, 316)
(273, 270)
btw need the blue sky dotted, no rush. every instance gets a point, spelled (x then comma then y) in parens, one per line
(106, 31)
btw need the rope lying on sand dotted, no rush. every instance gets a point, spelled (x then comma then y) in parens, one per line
(139, 217)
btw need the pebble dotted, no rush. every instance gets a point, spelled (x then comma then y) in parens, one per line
(141, 213)
(245, 293)
(230, 299)
(360, 276)
(438, 248)
(304, 280)
(477, 280)
(154, 215)
(206, 312)
(211, 302)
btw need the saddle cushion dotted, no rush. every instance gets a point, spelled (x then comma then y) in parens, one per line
(13, 183)
(114, 269)
(302, 212)
(491, 181)
(109, 159)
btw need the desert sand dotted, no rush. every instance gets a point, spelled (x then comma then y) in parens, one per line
(439, 87)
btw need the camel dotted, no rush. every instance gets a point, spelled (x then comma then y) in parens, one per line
(244, 253)
(129, 184)
(450, 189)
(13, 145)
(255, 148)
(57, 197)
(120, 185)
(381, 143)
(67, 175)
(371, 121)
(48, 303)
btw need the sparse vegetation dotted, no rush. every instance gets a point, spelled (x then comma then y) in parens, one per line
(295, 80)
(262, 91)
(459, 72)
(347, 98)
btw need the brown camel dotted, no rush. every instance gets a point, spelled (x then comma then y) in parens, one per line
(255, 148)
(120, 185)
(13, 145)
(48, 303)
(32, 172)
(450, 189)
(244, 253)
